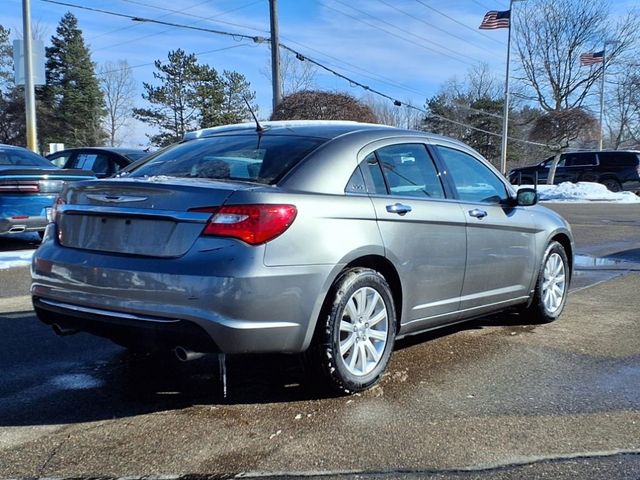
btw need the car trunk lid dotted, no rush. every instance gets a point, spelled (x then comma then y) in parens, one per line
(150, 217)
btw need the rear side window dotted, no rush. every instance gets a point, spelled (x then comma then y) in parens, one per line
(408, 171)
(618, 159)
(579, 159)
(97, 162)
(262, 159)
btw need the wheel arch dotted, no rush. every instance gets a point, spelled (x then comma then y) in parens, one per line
(564, 240)
(375, 262)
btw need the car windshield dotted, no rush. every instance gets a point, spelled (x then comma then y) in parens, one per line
(254, 158)
(22, 158)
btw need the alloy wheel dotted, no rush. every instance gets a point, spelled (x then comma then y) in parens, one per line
(553, 283)
(364, 331)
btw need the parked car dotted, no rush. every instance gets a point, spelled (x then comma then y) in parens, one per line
(331, 238)
(28, 186)
(616, 169)
(103, 161)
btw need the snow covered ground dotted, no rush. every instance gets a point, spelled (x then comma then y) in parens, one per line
(582, 192)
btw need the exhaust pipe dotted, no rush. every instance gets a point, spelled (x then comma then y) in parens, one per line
(17, 229)
(185, 355)
(62, 331)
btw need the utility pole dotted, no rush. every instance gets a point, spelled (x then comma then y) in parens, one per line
(29, 86)
(275, 54)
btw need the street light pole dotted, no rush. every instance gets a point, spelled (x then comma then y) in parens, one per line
(29, 85)
(275, 54)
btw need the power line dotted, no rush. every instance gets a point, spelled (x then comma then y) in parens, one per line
(206, 52)
(300, 57)
(443, 47)
(358, 19)
(459, 22)
(181, 12)
(133, 26)
(254, 38)
(414, 17)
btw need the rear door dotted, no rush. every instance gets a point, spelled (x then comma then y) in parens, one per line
(500, 239)
(423, 232)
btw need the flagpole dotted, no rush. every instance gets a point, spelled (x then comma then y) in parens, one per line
(505, 113)
(604, 61)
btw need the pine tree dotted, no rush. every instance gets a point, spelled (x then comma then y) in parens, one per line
(12, 114)
(73, 103)
(190, 96)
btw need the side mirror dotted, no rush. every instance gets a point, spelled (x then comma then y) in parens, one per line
(526, 197)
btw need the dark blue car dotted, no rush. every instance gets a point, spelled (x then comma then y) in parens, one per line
(29, 184)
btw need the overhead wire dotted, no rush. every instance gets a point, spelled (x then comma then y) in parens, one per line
(475, 30)
(300, 57)
(431, 49)
(435, 27)
(128, 27)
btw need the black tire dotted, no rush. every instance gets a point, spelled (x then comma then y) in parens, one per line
(325, 353)
(542, 309)
(612, 184)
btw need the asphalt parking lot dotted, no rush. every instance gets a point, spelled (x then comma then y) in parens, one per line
(489, 399)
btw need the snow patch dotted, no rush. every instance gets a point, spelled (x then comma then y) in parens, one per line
(18, 258)
(585, 192)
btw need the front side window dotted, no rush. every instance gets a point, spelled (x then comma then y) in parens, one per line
(407, 170)
(473, 181)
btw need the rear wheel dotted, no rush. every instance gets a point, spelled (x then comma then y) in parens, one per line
(552, 286)
(612, 184)
(356, 337)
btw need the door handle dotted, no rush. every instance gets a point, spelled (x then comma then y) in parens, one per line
(476, 212)
(399, 208)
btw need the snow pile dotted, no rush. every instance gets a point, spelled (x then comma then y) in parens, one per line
(12, 259)
(582, 192)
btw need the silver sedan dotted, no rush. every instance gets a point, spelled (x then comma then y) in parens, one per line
(330, 238)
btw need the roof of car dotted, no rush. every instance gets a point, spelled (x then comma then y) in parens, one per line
(120, 150)
(317, 128)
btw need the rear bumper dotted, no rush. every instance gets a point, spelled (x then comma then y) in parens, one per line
(13, 207)
(164, 303)
(19, 225)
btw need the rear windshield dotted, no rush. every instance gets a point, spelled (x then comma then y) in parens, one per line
(261, 159)
(18, 157)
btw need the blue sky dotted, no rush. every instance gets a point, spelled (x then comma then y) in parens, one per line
(404, 48)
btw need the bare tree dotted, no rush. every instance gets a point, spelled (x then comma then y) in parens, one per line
(551, 36)
(623, 112)
(296, 74)
(387, 113)
(119, 89)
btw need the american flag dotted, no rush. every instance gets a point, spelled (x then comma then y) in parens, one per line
(495, 19)
(591, 58)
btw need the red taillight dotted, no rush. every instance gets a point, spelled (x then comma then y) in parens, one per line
(253, 224)
(54, 209)
(19, 187)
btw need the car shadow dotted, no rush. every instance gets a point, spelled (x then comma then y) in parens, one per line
(82, 378)
(19, 241)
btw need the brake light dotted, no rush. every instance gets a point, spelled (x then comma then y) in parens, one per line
(253, 224)
(19, 187)
(54, 209)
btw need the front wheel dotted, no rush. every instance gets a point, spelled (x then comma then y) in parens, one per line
(356, 337)
(552, 286)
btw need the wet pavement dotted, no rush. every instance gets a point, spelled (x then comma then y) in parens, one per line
(494, 398)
